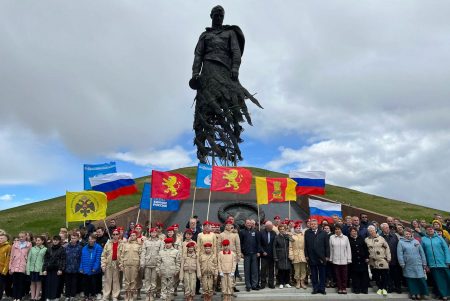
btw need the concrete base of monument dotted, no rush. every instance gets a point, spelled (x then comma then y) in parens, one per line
(287, 294)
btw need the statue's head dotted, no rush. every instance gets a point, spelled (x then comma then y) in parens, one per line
(217, 15)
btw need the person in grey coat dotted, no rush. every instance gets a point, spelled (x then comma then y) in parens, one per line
(411, 258)
(281, 255)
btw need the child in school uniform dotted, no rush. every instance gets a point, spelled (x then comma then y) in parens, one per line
(188, 271)
(227, 261)
(207, 270)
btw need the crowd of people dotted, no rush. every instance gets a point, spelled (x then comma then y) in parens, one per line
(98, 263)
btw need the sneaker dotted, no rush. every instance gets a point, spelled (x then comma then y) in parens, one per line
(385, 293)
(380, 292)
(288, 286)
(281, 286)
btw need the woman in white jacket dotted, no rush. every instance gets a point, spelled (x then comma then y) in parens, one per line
(340, 256)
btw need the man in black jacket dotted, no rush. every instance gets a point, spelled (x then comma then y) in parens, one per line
(250, 249)
(266, 238)
(395, 271)
(195, 226)
(317, 252)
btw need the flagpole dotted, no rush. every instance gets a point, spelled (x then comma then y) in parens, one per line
(289, 210)
(209, 203)
(137, 219)
(106, 228)
(67, 223)
(150, 214)
(209, 198)
(259, 219)
(193, 200)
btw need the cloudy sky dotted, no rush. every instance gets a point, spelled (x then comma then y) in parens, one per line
(359, 89)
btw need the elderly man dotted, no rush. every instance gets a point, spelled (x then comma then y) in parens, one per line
(395, 271)
(266, 238)
(250, 250)
(317, 252)
(195, 228)
(362, 231)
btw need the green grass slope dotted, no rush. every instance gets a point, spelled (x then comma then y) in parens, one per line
(49, 215)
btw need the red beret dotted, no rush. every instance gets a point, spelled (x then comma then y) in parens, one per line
(205, 223)
(168, 240)
(207, 245)
(225, 242)
(119, 229)
(228, 222)
(159, 224)
(170, 229)
(153, 230)
(115, 231)
(133, 232)
(138, 226)
(176, 225)
(190, 244)
(277, 217)
(188, 231)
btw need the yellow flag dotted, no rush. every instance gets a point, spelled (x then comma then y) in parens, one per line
(85, 205)
(275, 190)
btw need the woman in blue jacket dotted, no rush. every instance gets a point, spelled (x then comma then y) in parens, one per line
(412, 259)
(90, 266)
(438, 261)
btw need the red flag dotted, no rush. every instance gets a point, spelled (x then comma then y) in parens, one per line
(169, 185)
(231, 179)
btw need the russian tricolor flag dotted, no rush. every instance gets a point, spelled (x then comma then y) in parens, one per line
(114, 184)
(309, 182)
(324, 210)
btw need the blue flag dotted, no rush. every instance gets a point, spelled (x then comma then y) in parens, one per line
(157, 204)
(92, 170)
(204, 174)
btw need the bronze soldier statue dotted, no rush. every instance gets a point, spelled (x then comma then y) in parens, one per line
(220, 100)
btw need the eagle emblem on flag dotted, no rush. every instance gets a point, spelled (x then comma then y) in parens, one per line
(85, 206)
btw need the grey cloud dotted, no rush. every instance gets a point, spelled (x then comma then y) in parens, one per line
(366, 82)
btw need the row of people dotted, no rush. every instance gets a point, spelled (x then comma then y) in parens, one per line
(157, 263)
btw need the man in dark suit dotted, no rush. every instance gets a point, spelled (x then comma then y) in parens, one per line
(250, 250)
(317, 252)
(266, 238)
(195, 226)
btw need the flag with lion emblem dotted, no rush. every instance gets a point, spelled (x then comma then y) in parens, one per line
(85, 205)
(170, 186)
(231, 179)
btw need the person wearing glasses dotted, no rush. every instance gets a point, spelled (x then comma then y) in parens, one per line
(110, 266)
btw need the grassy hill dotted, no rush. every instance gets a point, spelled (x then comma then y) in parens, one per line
(49, 215)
